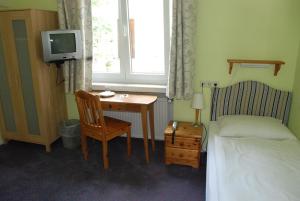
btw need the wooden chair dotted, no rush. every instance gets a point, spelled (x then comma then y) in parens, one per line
(94, 125)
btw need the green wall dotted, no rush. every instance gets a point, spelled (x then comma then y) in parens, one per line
(255, 29)
(244, 30)
(294, 122)
(71, 107)
(23, 4)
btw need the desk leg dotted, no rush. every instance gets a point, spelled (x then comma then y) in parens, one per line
(151, 118)
(145, 131)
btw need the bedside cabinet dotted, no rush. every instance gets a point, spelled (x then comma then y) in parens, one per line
(185, 148)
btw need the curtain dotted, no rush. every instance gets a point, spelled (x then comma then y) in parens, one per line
(76, 14)
(180, 80)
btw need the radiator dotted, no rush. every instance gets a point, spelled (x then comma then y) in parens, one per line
(163, 113)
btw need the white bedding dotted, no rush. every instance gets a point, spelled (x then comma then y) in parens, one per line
(252, 169)
(255, 169)
(211, 173)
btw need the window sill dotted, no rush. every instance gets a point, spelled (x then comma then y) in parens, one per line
(129, 87)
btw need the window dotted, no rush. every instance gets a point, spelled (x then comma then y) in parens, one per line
(131, 40)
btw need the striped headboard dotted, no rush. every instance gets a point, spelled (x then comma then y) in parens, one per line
(250, 98)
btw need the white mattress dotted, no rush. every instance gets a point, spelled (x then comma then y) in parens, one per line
(252, 169)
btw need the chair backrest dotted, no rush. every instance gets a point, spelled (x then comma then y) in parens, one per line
(90, 111)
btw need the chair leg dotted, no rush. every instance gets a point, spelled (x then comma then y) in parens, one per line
(84, 146)
(129, 141)
(105, 154)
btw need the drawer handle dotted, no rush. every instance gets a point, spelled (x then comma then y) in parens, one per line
(180, 155)
(109, 106)
(181, 144)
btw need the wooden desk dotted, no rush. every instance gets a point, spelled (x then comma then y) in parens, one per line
(134, 103)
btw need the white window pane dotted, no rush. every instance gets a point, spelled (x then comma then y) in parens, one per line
(147, 36)
(105, 15)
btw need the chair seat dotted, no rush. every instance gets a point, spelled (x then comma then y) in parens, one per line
(114, 125)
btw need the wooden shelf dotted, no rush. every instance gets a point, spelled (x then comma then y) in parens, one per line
(277, 64)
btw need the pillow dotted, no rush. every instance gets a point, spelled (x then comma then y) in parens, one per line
(253, 126)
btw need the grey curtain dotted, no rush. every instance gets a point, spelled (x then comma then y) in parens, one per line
(76, 14)
(180, 80)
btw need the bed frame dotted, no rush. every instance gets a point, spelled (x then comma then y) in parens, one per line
(251, 98)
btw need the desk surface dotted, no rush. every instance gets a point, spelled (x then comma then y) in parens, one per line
(129, 99)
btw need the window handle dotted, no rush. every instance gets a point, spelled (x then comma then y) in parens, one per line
(119, 38)
(124, 31)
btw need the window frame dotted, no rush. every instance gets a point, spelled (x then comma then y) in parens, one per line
(126, 76)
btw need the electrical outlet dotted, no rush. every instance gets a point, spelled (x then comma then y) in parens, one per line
(209, 83)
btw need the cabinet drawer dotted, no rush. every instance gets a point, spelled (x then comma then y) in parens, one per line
(115, 106)
(185, 154)
(120, 107)
(181, 142)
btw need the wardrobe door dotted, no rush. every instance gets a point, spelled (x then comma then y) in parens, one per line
(7, 120)
(24, 66)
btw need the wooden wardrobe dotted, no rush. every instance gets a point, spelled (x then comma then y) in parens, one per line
(32, 102)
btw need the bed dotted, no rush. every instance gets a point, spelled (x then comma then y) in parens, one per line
(251, 154)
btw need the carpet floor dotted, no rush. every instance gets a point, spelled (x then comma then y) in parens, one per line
(28, 173)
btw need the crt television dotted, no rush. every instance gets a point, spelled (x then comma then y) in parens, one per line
(60, 45)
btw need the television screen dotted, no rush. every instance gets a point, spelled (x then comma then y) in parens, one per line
(63, 43)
